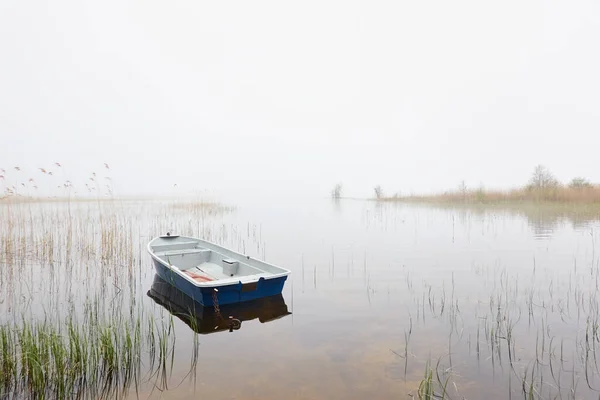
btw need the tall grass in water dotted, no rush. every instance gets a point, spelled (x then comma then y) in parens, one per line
(73, 320)
(434, 386)
(94, 359)
(536, 331)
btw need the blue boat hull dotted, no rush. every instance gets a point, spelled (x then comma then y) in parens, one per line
(227, 294)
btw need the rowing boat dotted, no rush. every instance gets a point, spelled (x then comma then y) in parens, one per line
(209, 273)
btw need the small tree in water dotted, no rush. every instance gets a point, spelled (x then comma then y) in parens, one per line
(378, 192)
(336, 193)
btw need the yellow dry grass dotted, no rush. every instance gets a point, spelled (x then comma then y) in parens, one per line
(558, 194)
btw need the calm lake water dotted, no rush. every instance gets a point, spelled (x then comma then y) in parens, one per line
(495, 303)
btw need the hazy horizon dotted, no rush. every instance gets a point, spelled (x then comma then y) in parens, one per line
(276, 97)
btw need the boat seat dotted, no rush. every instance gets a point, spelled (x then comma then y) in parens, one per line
(243, 279)
(213, 270)
(174, 246)
(182, 251)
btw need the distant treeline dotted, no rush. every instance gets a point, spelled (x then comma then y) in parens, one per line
(542, 186)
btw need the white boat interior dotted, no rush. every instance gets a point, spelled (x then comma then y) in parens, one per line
(205, 262)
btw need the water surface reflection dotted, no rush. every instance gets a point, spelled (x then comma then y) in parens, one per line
(206, 320)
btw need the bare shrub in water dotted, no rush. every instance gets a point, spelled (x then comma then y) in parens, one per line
(378, 192)
(336, 193)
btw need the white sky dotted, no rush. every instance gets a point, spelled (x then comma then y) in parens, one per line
(236, 97)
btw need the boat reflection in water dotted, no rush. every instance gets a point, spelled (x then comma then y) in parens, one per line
(206, 319)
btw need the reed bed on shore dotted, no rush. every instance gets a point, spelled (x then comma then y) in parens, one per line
(542, 187)
(559, 194)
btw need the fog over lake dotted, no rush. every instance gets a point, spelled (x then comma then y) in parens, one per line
(273, 97)
(307, 200)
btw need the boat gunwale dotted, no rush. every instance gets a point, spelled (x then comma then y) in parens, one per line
(217, 282)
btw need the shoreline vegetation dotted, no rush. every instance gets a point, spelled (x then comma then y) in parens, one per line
(542, 187)
(560, 195)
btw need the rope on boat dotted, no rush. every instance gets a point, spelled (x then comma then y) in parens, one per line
(233, 323)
